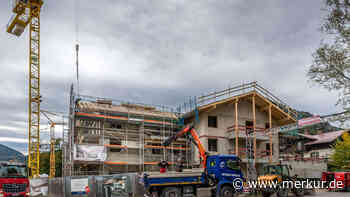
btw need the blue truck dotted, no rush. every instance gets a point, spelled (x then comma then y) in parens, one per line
(221, 174)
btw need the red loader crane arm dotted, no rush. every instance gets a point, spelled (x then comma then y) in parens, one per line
(194, 138)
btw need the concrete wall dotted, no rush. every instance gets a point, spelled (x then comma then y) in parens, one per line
(308, 169)
(225, 118)
(323, 153)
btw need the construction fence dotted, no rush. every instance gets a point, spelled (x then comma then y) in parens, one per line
(121, 185)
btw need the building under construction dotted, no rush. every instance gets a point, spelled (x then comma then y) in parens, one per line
(111, 136)
(240, 120)
(108, 137)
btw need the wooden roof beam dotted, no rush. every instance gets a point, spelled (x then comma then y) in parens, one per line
(286, 118)
(265, 108)
(211, 108)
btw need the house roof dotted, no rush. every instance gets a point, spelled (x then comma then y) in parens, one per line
(324, 137)
(311, 137)
(262, 103)
(264, 99)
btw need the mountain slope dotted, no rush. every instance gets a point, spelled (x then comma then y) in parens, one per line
(7, 154)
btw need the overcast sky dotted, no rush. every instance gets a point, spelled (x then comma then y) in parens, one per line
(162, 52)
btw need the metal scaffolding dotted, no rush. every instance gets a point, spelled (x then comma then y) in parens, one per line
(131, 134)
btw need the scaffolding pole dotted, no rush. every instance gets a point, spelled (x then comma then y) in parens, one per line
(236, 128)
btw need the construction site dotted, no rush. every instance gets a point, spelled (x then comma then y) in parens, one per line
(219, 141)
(108, 136)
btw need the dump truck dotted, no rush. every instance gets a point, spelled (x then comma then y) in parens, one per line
(217, 172)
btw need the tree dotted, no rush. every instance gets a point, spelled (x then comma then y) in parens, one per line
(340, 159)
(45, 163)
(331, 61)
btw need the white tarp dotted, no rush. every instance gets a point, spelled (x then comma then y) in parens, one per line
(39, 186)
(78, 186)
(90, 153)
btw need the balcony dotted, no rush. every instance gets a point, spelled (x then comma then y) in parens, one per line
(262, 156)
(258, 160)
(241, 134)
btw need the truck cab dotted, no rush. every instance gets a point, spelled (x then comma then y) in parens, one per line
(13, 180)
(224, 170)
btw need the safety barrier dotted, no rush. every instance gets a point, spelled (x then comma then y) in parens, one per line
(121, 185)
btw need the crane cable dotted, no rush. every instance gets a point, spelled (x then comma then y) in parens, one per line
(76, 21)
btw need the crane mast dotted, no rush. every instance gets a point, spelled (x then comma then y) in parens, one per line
(52, 151)
(27, 12)
(52, 141)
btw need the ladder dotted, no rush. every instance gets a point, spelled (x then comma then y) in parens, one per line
(251, 169)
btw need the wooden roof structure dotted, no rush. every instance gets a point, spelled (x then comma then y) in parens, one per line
(88, 106)
(263, 99)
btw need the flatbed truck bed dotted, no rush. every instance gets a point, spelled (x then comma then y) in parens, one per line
(174, 178)
(166, 184)
(218, 176)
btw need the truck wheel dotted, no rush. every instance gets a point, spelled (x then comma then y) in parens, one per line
(154, 194)
(282, 193)
(227, 191)
(265, 194)
(171, 192)
(310, 192)
(211, 181)
(299, 192)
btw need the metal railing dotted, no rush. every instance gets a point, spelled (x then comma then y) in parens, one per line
(236, 91)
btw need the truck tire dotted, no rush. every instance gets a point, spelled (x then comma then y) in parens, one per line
(310, 192)
(171, 192)
(211, 181)
(227, 191)
(282, 193)
(266, 194)
(299, 192)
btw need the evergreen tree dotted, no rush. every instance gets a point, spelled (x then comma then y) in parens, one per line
(340, 160)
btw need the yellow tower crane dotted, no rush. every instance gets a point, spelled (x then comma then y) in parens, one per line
(27, 12)
(52, 141)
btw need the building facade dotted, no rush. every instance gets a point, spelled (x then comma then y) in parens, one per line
(109, 137)
(238, 121)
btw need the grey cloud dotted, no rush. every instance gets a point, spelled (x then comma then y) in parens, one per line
(163, 52)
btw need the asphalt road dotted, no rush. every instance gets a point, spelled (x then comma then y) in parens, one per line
(332, 194)
(206, 193)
